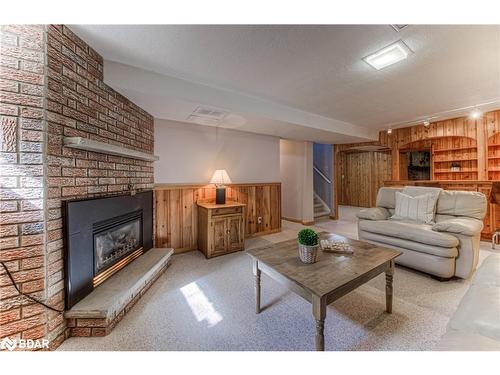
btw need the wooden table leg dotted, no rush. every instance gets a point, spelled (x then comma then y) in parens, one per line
(256, 273)
(388, 286)
(319, 313)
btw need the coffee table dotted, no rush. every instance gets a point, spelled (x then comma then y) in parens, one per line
(331, 277)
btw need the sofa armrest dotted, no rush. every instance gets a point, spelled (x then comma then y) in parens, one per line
(460, 225)
(374, 213)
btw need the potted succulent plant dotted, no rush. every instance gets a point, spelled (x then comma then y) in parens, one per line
(308, 245)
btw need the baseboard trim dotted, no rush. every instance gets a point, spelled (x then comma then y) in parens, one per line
(258, 234)
(185, 250)
(297, 220)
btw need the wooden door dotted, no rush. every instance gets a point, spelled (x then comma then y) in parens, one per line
(235, 235)
(357, 179)
(219, 231)
(363, 173)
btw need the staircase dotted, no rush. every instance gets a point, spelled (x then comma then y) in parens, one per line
(320, 207)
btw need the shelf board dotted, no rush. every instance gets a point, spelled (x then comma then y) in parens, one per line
(494, 157)
(452, 160)
(494, 145)
(447, 171)
(454, 149)
(106, 148)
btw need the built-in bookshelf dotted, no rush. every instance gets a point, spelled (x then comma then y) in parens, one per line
(454, 158)
(494, 157)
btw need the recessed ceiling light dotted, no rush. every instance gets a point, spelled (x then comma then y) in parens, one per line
(427, 123)
(389, 55)
(475, 114)
(389, 131)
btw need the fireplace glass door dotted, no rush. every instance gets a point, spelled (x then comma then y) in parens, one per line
(115, 239)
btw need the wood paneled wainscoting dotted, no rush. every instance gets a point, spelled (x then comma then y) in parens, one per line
(492, 218)
(176, 219)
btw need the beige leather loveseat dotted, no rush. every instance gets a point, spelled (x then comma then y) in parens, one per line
(447, 247)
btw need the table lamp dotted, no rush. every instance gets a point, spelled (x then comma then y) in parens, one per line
(220, 178)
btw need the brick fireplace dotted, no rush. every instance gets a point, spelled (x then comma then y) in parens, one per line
(51, 86)
(103, 235)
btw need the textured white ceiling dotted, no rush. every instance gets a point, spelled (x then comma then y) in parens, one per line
(319, 69)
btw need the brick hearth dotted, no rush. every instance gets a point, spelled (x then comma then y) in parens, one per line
(51, 85)
(99, 312)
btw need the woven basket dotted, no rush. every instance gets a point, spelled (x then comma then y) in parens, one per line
(308, 254)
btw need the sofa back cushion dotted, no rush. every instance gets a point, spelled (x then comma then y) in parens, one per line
(462, 203)
(450, 203)
(386, 197)
(415, 191)
(420, 208)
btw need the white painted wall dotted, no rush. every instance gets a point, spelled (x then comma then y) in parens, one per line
(190, 153)
(296, 161)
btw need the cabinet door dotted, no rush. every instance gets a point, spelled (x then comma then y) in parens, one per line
(219, 237)
(235, 233)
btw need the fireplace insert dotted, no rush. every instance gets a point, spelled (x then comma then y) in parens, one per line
(103, 235)
(117, 242)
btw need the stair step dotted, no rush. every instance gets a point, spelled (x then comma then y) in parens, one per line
(321, 213)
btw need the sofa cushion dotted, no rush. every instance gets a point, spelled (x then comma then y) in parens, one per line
(386, 197)
(412, 231)
(466, 341)
(414, 191)
(476, 323)
(400, 243)
(374, 213)
(419, 208)
(479, 312)
(462, 203)
(460, 225)
(489, 272)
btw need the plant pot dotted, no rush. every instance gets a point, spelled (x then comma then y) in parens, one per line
(308, 254)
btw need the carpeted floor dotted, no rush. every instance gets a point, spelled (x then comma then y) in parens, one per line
(201, 304)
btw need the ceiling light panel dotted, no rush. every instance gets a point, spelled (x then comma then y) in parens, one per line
(389, 55)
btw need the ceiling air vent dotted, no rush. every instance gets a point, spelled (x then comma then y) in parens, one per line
(209, 113)
(398, 28)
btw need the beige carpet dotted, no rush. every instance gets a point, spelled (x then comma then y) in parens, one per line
(201, 304)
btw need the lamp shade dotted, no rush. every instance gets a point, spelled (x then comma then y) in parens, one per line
(220, 177)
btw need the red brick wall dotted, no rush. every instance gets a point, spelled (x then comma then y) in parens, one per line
(22, 194)
(52, 87)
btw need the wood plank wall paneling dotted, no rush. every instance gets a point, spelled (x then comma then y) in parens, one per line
(458, 127)
(364, 173)
(176, 211)
(474, 144)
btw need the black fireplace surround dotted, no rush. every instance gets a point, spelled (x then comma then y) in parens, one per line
(99, 233)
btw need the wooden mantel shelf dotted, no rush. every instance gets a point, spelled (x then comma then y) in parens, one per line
(107, 148)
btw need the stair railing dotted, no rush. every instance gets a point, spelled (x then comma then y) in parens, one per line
(321, 174)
